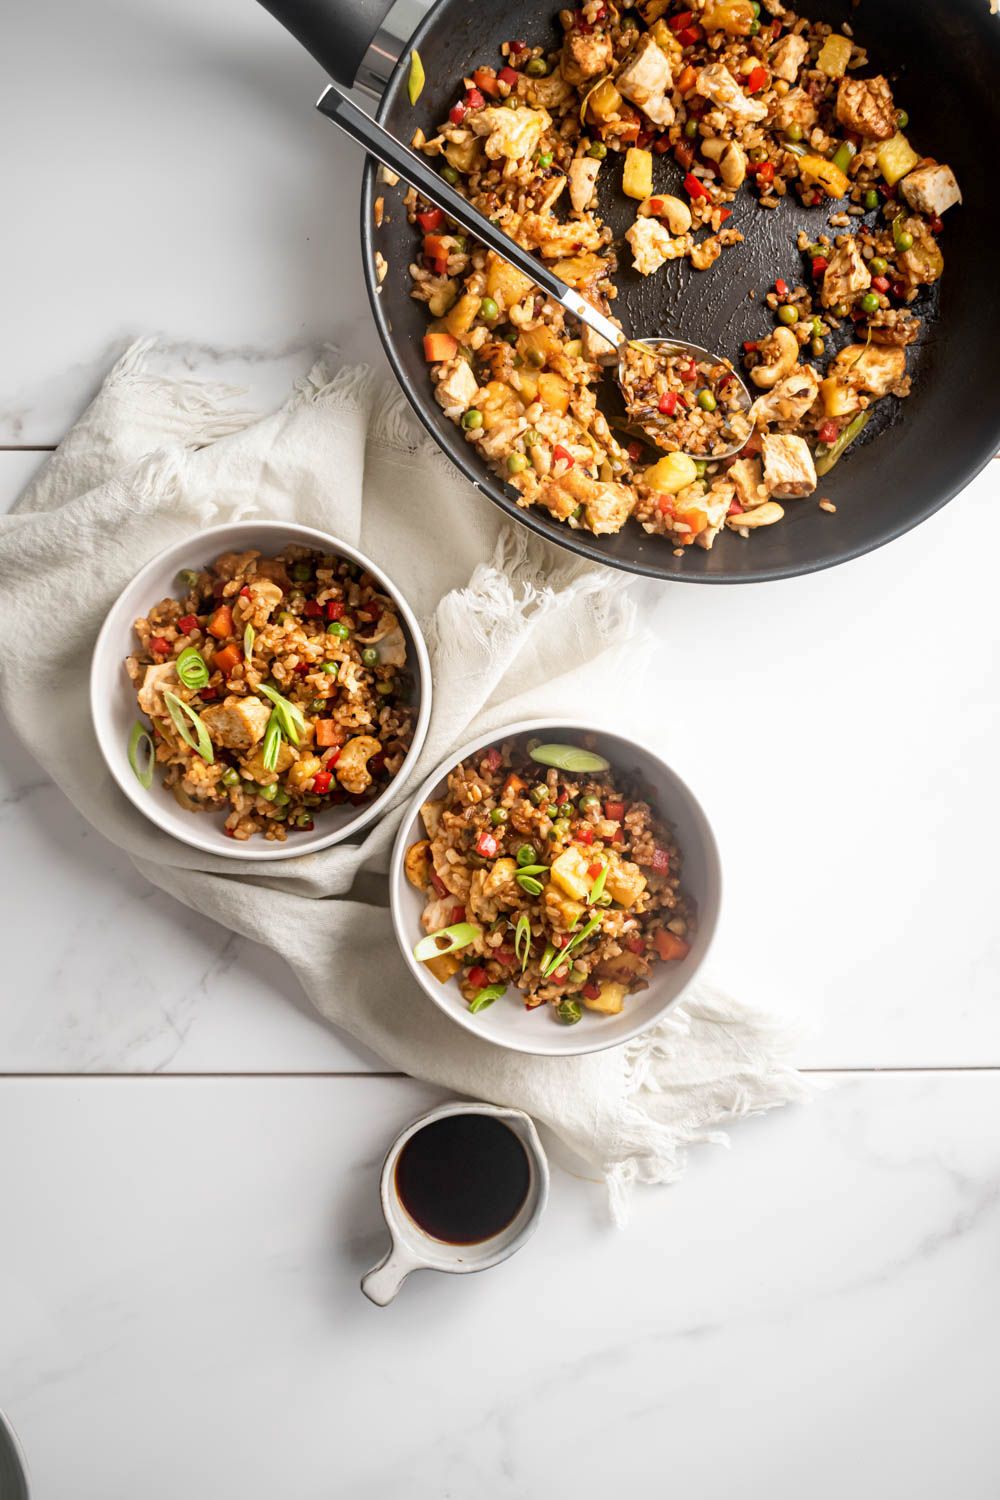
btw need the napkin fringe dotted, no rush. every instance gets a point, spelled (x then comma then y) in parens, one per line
(207, 406)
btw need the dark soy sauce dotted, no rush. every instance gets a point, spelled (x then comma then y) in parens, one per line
(463, 1178)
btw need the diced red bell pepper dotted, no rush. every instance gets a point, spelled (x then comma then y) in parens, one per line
(332, 756)
(560, 453)
(828, 432)
(694, 187)
(221, 623)
(683, 18)
(302, 667)
(312, 609)
(508, 76)
(515, 47)
(477, 976)
(430, 219)
(321, 782)
(661, 145)
(935, 224)
(634, 451)
(584, 835)
(334, 609)
(667, 403)
(881, 283)
(690, 35)
(486, 845)
(757, 79)
(750, 346)
(504, 956)
(439, 886)
(591, 991)
(724, 214)
(562, 798)
(819, 265)
(457, 113)
(474, 99)
(781, 287)
(493, 760)
(225, 660)
(439, 346)
(486, 80)
(669, 945)
(245, 591)
(764, 171)
(160, 645)
(661, 862)
(614, 811)
(187, 623)
(595, 869)
(634, 943)
(208, 695)
(689, 372)
(458, 914)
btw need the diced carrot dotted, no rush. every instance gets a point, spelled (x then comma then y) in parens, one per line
(436, 245)
(485, 79)
(439, 346)
(687, 78)
(327, 732)
(669, 945)
(514, 784)
(226, 659)
(221, 623)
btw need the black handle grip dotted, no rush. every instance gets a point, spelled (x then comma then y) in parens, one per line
(336, 32)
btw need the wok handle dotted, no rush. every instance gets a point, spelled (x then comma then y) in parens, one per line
(336, 32)
(415, 169)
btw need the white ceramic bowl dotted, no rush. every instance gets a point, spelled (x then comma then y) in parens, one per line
(507, 1022)
(113, 705)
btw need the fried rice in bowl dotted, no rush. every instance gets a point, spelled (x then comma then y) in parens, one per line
(555, 889)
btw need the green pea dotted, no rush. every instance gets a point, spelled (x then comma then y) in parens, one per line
(543, 159)
(754, 27)
(302, 572)
(629, 23)
(385, 688)
(794, 132)
(690, 129)
(269, 793)
(516, 463)
(539, 794)
(598, 150)
(879, 265)
(186, 579)
(370, 656)
(511, 101)
(589, 803)
(902, 119)
(525, 855)
(870, 200)
(472, 419)
(701, 464)
(489, 310)
(842, 310)
(317, 705)
(904, 240)
(509, 335)
(755, 7)
(537, 67)
(449, 174)
(788, 314)
(498, 816)
(817, 347)
(568, 1012)
(536, 357)
(869, 302)
(331, 668)
(281, 797)
(818, 328)
(339, 629)
(707, 401)
(230, 777)
(560, 829)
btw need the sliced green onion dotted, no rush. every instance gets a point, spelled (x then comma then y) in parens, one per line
(459, 935)
(522, 939)
(142, 767)
(551, 951)
(563, 953)
(272, 742)
(191, 668)
(569, 758)
(597, 889)
(483, 998)
(844, 155)
(417, 78)
(199, 741)
(290, 718)
(529, 884)
(827, 455)
(249, 636)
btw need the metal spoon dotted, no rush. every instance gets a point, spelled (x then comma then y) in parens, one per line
(342, 110)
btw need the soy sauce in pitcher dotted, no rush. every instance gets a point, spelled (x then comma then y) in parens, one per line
(463, 1178)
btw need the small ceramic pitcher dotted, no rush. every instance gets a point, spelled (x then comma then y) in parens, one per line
(413, 1248)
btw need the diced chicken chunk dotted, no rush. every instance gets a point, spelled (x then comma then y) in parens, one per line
(845, 275)
(789, 471)
(874, 369)
(652, 245)
(788, 55)
(583, 172)
(865, 105)
(156, 679)
(608, 507)
(794, 108)
(585, 55)
(715, 82)
(931, 188)
(716, 507)
(511, 133)
(789, 400)
(236, 724)
(458, 390)
(923, 263)
(644, 79)
(597, 348)
(747, 476)
(265, 596)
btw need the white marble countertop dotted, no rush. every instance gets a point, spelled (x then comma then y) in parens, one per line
(178, 1282)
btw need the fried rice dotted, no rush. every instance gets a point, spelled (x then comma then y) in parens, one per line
(729, 97)
(275, 688)
(551, 887)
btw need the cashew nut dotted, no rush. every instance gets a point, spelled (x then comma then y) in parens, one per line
(665, 206)
(731, 158)
(761, 515)
(417, 864)
(352, 766)
(780, 352)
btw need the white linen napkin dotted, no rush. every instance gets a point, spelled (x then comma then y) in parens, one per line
(155, 459)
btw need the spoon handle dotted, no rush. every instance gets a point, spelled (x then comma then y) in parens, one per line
(415, 169)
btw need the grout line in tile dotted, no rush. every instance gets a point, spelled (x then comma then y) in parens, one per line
(864, 1072)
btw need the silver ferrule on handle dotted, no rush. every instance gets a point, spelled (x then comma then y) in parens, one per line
(415, 169)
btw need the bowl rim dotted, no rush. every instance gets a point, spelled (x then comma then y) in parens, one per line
(397, 877)
(230, 849)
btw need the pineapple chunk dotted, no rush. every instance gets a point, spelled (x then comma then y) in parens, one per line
(625, 882)
(834, 182)
(637, 181)
(834, 55)
(670, 474)
(895, 158)
(504, 283)
(554, 392)
(570, 873)
(735, 17)
(666, 40)
(443, 966)
(462, 315)
(602, 102)
(611, 1000)
(562, 911)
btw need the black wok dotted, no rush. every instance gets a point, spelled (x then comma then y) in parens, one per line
(944, 59)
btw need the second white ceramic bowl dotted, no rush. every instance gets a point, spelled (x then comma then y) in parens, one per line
(507, 1022)
(113, 705)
